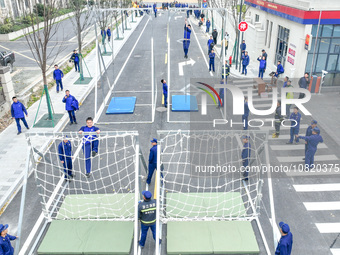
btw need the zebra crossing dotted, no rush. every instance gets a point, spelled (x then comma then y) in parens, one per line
(288, 154)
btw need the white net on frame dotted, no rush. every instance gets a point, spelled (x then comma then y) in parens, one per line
(107, 194)
(203, 175)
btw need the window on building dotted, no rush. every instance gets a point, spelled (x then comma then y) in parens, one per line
(270, 34)
(282, 45)
(326, 54)
(257, 18)
(267, 24)
(2, 4)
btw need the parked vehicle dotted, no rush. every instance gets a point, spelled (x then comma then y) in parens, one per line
(7, 58)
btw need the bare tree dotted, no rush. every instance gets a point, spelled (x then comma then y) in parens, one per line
(81, 21)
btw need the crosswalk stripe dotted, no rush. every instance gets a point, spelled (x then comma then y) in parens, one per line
(290, 147)
(317, 187)
(335, 251)
(290, 159)
(328, 172)
(328, 227)
(322, 206)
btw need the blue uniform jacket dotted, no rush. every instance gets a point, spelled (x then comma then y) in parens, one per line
(312, 141)
(243, 46)
(153, 155)
(284, 247)
(5, 245)
(207, 23)
(309, 131)
(210, 41)
(297, 118)
(246, 154)
(65, 149)
(75, 57)
(88, 138)
(245, 60)
(103, 32)
(165, 89)
(212, 56)
(187, 32)
(58, 74)
(263, 63)
(147, 212)
(284, 84)
(18, 110)
(108, 32)
(68, 102)
(246, 109)
(280, 69)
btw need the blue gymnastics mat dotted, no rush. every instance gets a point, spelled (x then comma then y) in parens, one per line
(184, 103)
(121, 105)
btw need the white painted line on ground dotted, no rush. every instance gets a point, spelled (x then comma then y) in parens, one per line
(335, 251)
(328, 227)
(184, 63)
(290, 159)
(322, 206)
(302, 126)
(317, 187)
(290, 147)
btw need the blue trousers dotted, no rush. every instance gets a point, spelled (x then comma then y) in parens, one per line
(221, 94)
(294, 131)
(261, 72)
(244, 69)
(186, 44)
(245, 120)
(165, 100)
(212, 64)
(72, 116)
(109, 38)
(208, 28)
(87, 149)
(309, 158)
(59, 83)
(144, 234)
(245, 167)
(152, 168)
(68, 167)
(18, 123)
(76, 64)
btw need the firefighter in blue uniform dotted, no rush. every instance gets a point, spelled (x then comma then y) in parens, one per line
(295, 118)
(108, 32)
(210, 44)
(243, 47)
(147, 216)
(246, 114)
(278, 119)
(207, 23)
(65, 156)
(312, 146)
(279, 70)
(70, 106)
(284, 247)
(152, 160)
(225, 74)
(18, 111)
(90, 143)
(212, 61)
(186, 41)
(165, 93)
(5, 241)
(75, 58)
(245, 63)
(309, 133)
(245, 156)
(58, 75)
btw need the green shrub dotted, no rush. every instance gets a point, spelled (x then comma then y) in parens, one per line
(39, 9)
(6, 28)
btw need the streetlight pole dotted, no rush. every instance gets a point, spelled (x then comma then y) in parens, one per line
(238, 38)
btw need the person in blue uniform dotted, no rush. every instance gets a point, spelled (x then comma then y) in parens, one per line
(210, 44)
(186, 41)
(108, 32)
(207, 23)
(212, 61)
(58, 75)
(18, 111)
(90, 143)
(245, 155)
(75, 58)
(165, 93)
(263, 65)
(245, 63)
(278, 119)
(309, 133)
(285, 245)
(65, 156)
(243, 47)
(68, 99)
(279, 70)
(295, 118)
(152, 160)
(225, 74)
(147, 216)
(6, 247)
(246, 114)
(155, 10)
(312, 146)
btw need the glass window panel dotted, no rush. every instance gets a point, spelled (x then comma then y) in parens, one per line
(335, 46)
(315, 29)
(331, 63)
(336, 32)
(338, 66)
(320, 62)
(324, 45)
(309, 62)
(327, 31)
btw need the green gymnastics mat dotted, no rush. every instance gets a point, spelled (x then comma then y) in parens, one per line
(97, 206)
(216, 204)
(87, 237)
(211, 237)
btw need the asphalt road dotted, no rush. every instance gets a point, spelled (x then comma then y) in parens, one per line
(289, 198)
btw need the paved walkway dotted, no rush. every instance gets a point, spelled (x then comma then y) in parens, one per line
(13, 155)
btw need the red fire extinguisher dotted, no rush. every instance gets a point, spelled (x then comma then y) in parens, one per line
(230, 60)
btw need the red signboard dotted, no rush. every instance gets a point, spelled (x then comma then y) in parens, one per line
(307, 41)
(243, 26)
(291, 52)
(290, 60)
